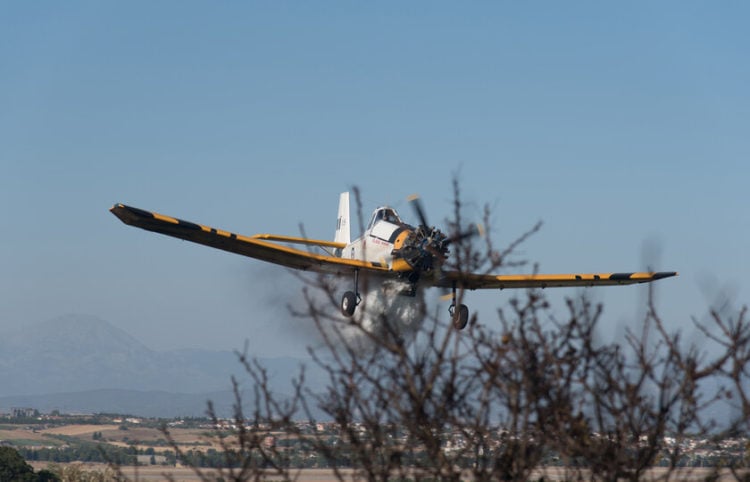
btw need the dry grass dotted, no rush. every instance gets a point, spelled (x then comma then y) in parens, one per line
(77, 430)
(140, 437)
(25, 436)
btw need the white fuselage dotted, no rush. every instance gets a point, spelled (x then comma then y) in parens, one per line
(377, 243)
(374, 245)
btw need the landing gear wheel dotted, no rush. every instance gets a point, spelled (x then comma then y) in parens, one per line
(460, 316)
(348, 304)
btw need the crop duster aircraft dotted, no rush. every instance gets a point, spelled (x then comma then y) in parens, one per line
(388, 248)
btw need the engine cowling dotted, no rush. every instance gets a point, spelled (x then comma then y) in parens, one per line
(423, 249)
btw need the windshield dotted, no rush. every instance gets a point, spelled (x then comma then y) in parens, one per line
(384, 214)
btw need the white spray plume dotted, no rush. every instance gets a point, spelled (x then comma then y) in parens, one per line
(384, 302)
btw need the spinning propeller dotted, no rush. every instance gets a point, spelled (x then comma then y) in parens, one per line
(426, 247)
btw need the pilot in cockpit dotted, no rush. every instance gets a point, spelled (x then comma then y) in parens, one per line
(385, 214)
(391, 216)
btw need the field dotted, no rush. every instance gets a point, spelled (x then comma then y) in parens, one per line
(38, 436)
(26, 437)
(140, 437)
(184, 474)
(143, 437)
(78, 430)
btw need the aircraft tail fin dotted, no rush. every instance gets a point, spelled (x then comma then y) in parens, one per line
(343, 233)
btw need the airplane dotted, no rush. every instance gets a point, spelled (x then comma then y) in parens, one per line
(389, 248)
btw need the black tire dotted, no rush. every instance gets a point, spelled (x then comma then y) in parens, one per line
(348, 304)
(461, 317)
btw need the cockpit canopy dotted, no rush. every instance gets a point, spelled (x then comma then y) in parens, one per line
(384, 214)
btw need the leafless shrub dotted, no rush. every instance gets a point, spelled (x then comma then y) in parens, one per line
(498, 401)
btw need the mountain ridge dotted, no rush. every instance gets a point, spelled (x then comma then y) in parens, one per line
(83, 354)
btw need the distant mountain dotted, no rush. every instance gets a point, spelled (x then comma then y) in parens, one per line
(80, 353)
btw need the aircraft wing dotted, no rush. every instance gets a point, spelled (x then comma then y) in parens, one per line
(473, 281)
(261, 246)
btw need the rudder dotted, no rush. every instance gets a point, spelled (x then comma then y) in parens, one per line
(343, 233)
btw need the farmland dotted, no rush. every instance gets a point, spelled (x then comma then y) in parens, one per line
(147, 449)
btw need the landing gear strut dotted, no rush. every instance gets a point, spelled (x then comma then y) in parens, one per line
(351, 299)
(460, 313)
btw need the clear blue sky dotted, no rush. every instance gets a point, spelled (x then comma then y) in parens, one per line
(613, 123)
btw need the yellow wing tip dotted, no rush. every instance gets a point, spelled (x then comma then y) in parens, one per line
(412, 197)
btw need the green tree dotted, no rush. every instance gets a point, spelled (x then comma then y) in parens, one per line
(46, 476)
(14, 467)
